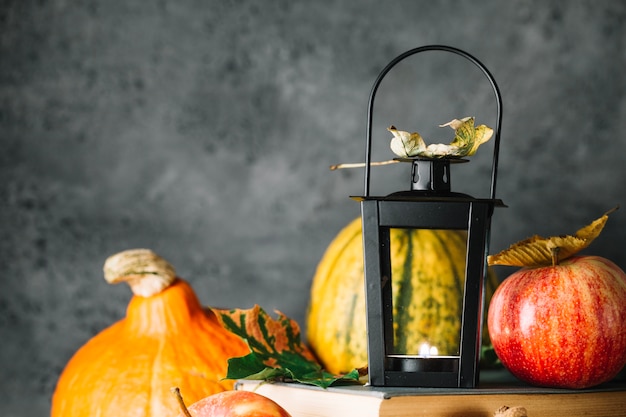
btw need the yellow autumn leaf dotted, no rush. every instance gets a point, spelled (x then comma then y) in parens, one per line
(468, 137)
(466, 141)
(406, 145)
(540, 251)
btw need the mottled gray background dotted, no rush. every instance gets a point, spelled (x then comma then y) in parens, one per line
(204, 130)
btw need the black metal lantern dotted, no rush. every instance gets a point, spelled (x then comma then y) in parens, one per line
(429, 204)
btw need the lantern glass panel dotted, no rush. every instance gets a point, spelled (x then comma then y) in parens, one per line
(428, 277)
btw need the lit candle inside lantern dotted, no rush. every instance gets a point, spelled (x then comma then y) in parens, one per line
(427, 350)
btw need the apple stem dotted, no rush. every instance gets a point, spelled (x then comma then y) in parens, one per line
(181, 402)
(555, 255)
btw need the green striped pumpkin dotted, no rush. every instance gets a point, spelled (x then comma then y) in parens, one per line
(428, 273)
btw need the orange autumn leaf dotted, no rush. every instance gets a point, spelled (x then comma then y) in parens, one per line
(276, 351)
(264, 334)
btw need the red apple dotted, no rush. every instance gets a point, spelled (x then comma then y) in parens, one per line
(236, 404)
(563, 325)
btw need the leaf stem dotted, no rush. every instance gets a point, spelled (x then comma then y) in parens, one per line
(362, 164)
(181, 402)
(555, 255)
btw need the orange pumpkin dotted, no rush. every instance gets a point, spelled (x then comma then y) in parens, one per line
(167, 339)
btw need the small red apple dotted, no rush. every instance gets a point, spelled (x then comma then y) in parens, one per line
(562, 325)
(235, 404)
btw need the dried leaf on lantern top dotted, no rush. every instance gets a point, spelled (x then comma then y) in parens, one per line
(276, 352)
(468, 137)
(466, 141)
(405, 144)
(540, 251)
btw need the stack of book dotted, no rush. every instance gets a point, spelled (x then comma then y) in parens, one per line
(496, 389)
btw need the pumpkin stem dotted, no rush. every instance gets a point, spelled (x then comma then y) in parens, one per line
(554, 252)
(181, 402)
(145, 272)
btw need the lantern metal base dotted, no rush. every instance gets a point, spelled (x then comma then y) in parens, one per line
(413, 363)
(415, 371)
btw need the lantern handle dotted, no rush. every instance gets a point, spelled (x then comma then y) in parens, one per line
(383, 73)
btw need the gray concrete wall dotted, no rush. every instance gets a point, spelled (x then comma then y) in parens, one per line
(204, 130)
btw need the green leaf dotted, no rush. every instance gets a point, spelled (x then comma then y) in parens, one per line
(488, 357)
(276, 351)
(246, 367)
